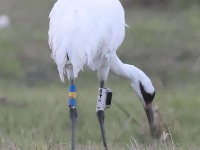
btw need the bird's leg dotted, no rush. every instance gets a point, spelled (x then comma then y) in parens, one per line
(101, 116)
(100, 113)
(73, 112)
(101, 105)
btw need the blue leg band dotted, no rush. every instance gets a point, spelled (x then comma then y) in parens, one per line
(72, 102)
(72, 88)
(72, 95)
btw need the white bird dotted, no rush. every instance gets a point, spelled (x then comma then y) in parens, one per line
(89, 32)
(4, 21)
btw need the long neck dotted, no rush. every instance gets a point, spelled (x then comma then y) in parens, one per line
(127, 71)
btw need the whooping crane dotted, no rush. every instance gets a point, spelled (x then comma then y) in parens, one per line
(89, 32)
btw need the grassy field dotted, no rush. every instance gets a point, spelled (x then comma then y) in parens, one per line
(33, 103)
(38, 116)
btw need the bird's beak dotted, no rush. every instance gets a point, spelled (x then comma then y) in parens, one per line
(150, 117)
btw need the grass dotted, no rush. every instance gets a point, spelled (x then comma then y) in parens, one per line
(33, 102)
(39, 116)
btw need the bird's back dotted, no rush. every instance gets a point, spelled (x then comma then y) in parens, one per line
(85, 30)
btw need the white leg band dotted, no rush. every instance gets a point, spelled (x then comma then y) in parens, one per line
(102, 98)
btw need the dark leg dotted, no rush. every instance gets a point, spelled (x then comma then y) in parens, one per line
(73, 117)
(101, 116)
(73, 112)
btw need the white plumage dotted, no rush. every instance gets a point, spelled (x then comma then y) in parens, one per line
(87, 31)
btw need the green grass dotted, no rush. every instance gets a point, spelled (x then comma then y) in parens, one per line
(34, 113)
(40, 117)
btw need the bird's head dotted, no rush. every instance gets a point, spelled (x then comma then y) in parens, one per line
(145, 91)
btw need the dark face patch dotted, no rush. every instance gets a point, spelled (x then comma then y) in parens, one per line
(148, 97)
